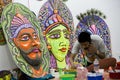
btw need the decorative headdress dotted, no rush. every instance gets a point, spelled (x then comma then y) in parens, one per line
(19, 22)
(54, 19)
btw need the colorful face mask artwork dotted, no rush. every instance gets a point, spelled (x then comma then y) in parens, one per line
(3, 3)
(92, 21)
(25, 40)
(57, 25)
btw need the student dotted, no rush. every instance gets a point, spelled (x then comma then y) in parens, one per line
(92, 46)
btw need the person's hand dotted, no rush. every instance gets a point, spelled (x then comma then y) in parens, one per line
(92, 58)
(73, 66)
(72, 56)
(90, 52)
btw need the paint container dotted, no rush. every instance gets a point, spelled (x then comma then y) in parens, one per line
(94, 76)
(67, 77)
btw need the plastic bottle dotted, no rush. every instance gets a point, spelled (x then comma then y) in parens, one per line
(106, 76)
(81, 73)
(84, 73)
(96, 65)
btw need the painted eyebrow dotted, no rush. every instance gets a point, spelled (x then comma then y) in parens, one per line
(28, 33)
(34, 33)
(24, 34)
(65, 30)
(58, 30)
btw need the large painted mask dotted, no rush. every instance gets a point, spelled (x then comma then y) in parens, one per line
(93, 22)
(3, 3)
(57, 25)
(24, 38)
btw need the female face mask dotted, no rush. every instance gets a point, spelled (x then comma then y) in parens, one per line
(58, 39)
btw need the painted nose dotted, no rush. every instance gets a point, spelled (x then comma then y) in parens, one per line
(35, 43)
(63, 40)
(62, 43)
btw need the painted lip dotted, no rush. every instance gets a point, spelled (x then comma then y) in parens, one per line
(63, 49)
(36, 50)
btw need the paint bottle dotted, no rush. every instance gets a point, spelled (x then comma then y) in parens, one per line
(81, 73)
(96, 65)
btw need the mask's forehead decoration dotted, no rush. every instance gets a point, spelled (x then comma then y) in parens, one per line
(53, 20)
(55, 12)
(18, 20)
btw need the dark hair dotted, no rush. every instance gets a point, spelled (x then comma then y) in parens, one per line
(84, 37)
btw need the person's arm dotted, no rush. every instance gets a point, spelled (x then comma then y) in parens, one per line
(104, 64)
(98, 48)
(74, 51)
(94, 52)
(101, 52)
(101, 55)
(72, 56)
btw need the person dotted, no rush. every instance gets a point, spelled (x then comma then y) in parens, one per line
(26, 39)
(92, 47)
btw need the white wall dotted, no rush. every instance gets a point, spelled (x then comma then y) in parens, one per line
(109, 7)
(6, 61)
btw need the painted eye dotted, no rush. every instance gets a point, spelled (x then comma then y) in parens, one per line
(66, 36)
(35, 36)
(25, 38)
(55, 36)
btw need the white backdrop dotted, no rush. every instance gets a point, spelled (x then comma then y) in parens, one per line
(109, 7)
